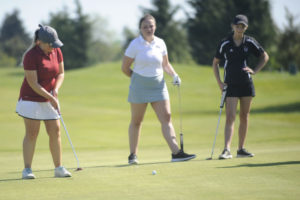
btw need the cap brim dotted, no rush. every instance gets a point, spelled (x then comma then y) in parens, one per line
(57, 44)
(241, 22)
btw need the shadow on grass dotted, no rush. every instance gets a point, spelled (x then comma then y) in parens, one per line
(91, 167)
(11, 179)
(127, 165)
(41, 170)
(20, 179)
(140, 164)
(265, 164)
(282, 108)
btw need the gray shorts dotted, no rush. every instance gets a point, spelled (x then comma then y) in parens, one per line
(147, 89)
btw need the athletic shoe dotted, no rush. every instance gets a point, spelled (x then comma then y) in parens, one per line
(61, 172)
(132, 159)
(225, 155)
(181, 156)
(27, 174)
(244, 153)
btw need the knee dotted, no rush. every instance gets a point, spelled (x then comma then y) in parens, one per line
(166, 118)
(244, 117)
(32, 136)
(54, 132)
(136, 123)
(230, 118)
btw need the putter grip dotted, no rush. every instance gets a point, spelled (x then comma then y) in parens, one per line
(223, 96)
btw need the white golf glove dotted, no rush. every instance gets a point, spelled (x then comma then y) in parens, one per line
(176, 80)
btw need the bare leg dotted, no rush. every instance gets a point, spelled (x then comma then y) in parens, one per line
(137, 116)
(53, 130)
(245, 104)
(32, 128)
(163, 112)
(231, 105)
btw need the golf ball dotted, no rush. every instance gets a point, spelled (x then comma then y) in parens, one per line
(153, 172)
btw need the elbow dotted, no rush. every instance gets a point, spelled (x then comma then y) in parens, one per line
(34, 85)
(60, 76)
(123, 69)
(126, 70)
(266, 57)
(215, 61)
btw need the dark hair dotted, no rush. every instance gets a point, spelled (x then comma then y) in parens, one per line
(35, 38)
(146, 16)
(36, 35)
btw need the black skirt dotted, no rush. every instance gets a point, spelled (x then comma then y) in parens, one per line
(241, 90)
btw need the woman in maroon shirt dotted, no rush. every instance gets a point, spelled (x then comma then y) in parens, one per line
(44, 75)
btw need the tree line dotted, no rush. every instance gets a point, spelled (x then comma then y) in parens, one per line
(87, 40)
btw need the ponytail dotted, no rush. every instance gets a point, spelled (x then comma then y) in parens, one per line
(34, 42)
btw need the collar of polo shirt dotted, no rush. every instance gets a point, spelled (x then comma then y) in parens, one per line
(145, 42)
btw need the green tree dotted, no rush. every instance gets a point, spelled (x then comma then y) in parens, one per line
(6, 61)
(75, 34)
(170, 31)
(212, 20)
(103, 45)
(129, 35)
(13, 38)
(289, 44)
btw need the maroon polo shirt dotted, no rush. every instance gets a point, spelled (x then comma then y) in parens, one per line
(47, 68)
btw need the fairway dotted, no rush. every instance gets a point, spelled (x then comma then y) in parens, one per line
(95, 109)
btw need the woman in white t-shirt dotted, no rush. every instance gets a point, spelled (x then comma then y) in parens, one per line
(150, 58)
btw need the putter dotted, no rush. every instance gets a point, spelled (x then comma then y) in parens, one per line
(62, 121)
(180, 117)
(221, 106)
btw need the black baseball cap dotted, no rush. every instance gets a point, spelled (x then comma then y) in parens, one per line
(48, 34)
(240, 19)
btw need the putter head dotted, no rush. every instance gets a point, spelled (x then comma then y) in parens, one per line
(78, 169)
(210, 158)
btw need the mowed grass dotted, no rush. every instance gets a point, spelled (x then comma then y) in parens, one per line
(96, 112)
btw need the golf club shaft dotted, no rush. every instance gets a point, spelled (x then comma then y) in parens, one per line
(213, 147)
(180, 117)
(223, 98)
(62, 121)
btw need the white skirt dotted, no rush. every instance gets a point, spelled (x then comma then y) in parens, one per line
(36, 110)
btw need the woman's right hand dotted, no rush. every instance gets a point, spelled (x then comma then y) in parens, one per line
(127, 61)
(222, 85)
(54, 103)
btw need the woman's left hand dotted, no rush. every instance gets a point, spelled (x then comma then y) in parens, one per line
(176, 80)
(248, 70)
(55, 93)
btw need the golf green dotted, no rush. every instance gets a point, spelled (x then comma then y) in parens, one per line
(96, 112)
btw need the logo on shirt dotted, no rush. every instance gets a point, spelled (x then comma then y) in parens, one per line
(245, 49)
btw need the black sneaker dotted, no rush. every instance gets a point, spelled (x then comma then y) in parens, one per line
(225, 155)
(244, 153)
(132, 159)
(181, 156)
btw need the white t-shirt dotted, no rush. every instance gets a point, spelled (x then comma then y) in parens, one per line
(148, 57)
